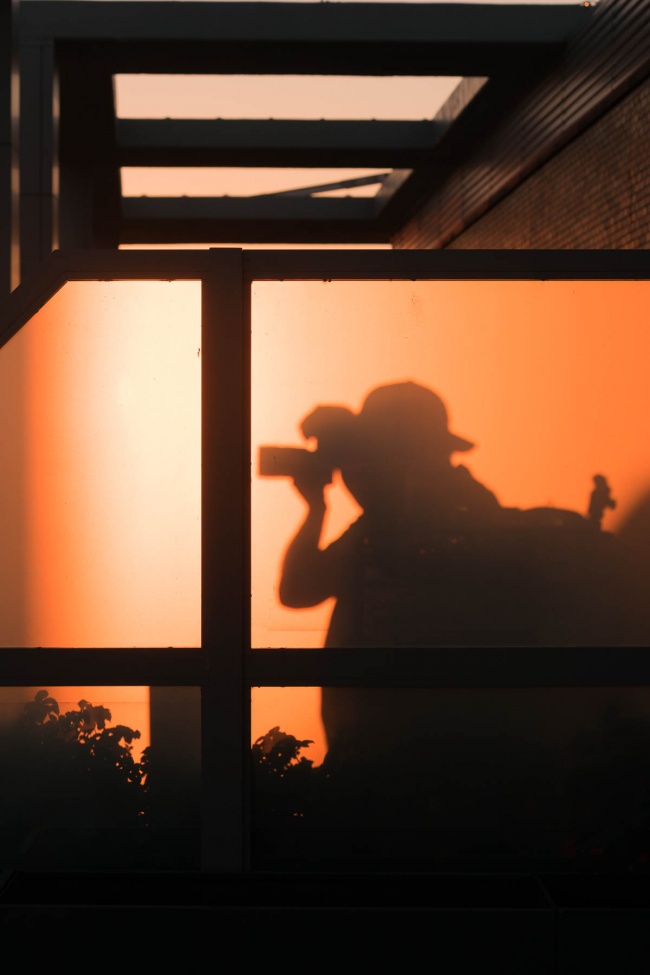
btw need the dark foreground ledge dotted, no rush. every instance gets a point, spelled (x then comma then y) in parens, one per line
(483, 922)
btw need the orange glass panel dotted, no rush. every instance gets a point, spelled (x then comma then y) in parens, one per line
(101, 448)
(294, 710)
(547, 379)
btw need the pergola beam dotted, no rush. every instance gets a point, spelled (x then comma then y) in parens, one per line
(448, 23)
(90, 190)
(512, 44)
(292, 38)
(271, 142)
(250, 220)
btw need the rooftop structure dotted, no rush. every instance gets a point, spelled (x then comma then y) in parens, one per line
(532, 77)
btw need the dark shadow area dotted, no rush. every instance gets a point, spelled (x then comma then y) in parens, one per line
(72, 795)
(74, 767)
(436, 561)
(579, 805)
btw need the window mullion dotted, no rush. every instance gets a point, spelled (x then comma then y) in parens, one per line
(225, 483)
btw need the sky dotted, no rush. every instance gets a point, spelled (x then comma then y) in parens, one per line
(266, 96)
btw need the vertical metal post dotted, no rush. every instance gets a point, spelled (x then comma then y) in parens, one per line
(225, 613)
(9, 154)
(39, 111)
(90, 191)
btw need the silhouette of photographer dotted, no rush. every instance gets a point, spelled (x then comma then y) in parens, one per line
(394, 572)
(395, 459)
(435, 561)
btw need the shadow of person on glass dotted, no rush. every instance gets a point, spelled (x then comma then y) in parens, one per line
(392, 572)
(395, 459)
(436, 561)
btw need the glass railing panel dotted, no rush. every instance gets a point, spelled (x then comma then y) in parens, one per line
(100, 451)
(467, 463)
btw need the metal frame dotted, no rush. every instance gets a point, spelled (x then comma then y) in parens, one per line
(226, 667)
(72, 146)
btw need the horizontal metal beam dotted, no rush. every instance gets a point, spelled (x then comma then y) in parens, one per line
(118, 667)
(250, 219)
(448, 23)
(451, 265)
(292, 38)
(380, 667)
(271, 142)
(251, 232)
(456, 667)
(280, 234)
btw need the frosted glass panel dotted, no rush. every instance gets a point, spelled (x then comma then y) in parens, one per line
(100, 447)
(494, 436)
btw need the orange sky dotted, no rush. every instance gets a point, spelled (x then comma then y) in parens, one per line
(263, 97)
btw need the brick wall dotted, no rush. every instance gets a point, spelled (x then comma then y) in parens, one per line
(594, 193)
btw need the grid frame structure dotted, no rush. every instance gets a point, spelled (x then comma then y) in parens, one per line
(226, 666)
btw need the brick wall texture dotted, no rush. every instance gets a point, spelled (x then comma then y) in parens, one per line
(594, 193)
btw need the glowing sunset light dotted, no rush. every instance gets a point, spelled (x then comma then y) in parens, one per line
(231, 181)
(101, 440)
(280, 96)
(114, 434)
(101, 444)
(549, 379)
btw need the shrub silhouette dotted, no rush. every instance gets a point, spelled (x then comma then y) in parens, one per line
(70, 769)
(75, 769)
(284, 783)
(607, 794)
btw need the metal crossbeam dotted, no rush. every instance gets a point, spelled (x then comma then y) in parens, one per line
(448, 23)
(267, 207)
(271, 142)
(291, 38)
(512, 44)
(250, 219)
